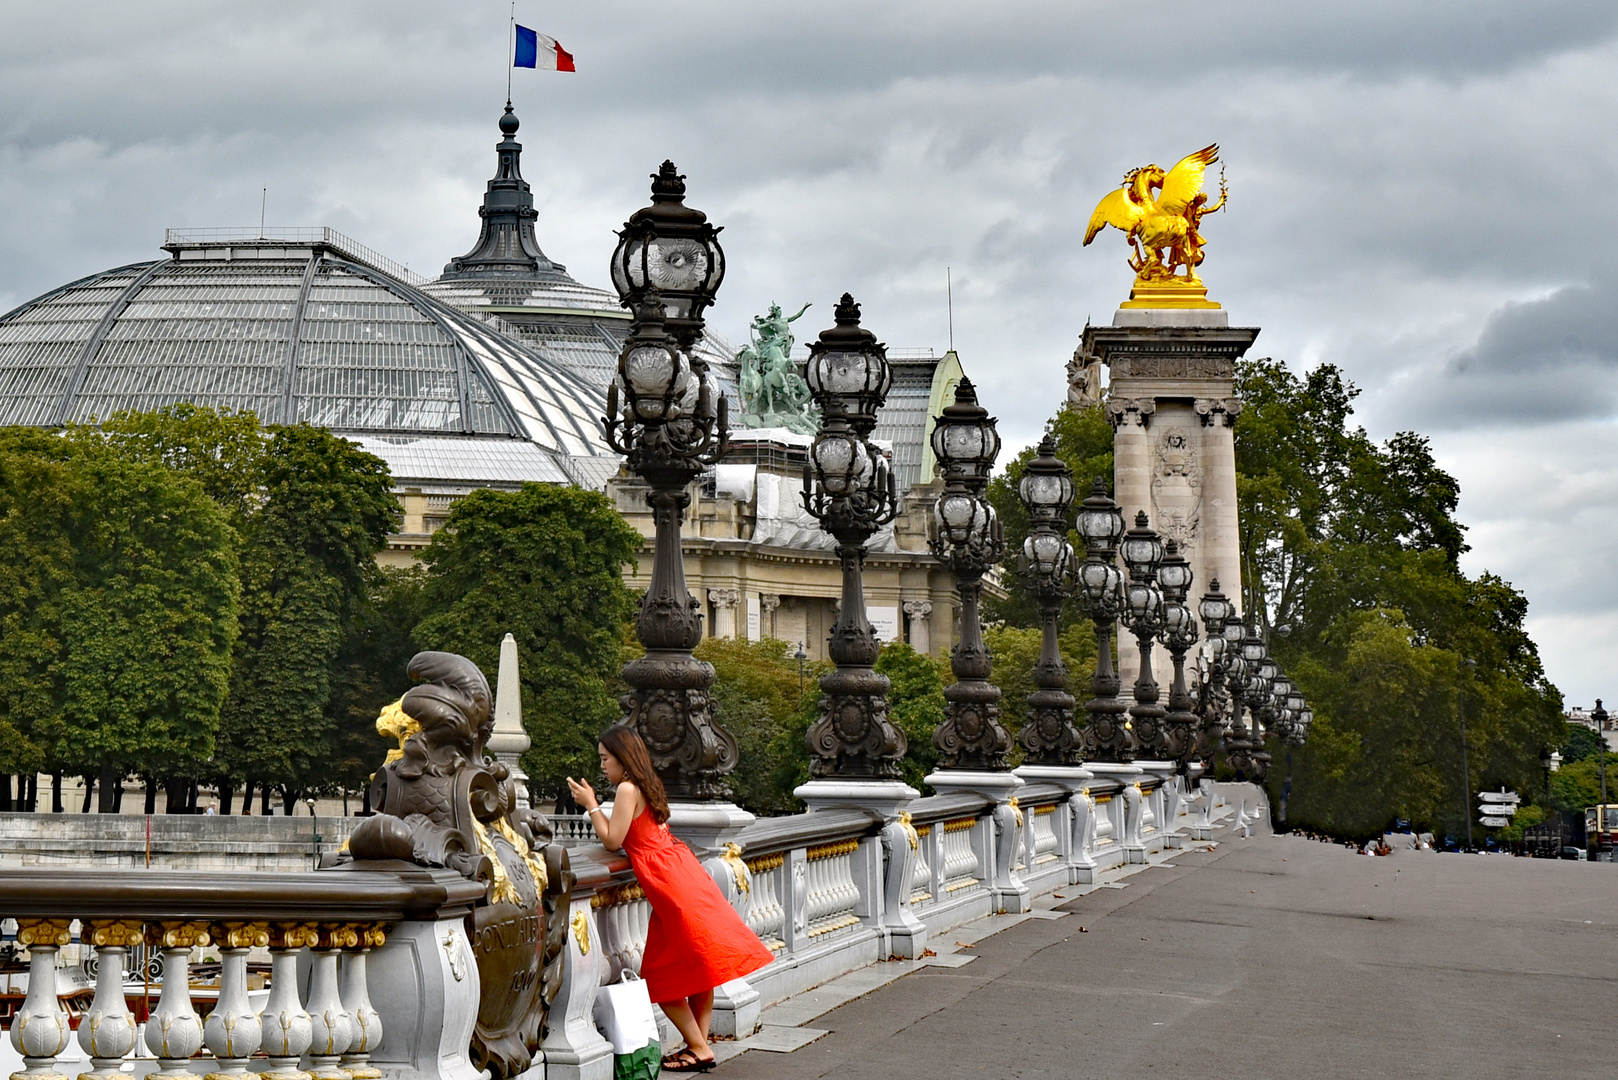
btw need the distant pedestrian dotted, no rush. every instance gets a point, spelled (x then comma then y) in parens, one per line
(695, 941)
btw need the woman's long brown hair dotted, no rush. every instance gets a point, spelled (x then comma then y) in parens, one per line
(625, 744)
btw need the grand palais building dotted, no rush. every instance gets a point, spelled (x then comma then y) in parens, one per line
(491, 375)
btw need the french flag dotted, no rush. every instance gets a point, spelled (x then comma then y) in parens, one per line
(535, 50)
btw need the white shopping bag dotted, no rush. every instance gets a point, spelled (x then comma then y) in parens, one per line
(624, 1014)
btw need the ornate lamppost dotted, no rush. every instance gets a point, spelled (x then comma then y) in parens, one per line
(1048, 736)
(1100, 588)
(1178, 634)
(1218, 615)
(1142, 551)
(849, 488)
(670, 421)
(1246, 686)
(969, 539)
(1260, 703)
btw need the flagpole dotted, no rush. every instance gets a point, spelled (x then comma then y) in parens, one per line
(511, 30)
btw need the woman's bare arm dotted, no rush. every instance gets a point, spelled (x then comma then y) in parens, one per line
(625, 805)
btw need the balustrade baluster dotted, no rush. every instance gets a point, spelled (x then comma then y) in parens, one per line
(286, 1026)
(107, 1031)
(233, 1031)
(174, 1030)
(40, 1029)
(356, 994)
(332, 1026)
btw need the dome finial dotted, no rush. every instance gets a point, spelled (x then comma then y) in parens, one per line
(508, 122)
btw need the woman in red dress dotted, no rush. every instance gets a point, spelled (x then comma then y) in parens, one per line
(696, 941)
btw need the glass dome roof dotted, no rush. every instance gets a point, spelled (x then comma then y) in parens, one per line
(297, 328)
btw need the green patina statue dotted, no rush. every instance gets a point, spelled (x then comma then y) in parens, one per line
(773, 393)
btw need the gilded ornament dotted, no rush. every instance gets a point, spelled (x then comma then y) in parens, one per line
(910, 831)
(43, 931)
(1160, 213)
(581, 932)
(240, 935)
(1016, 808)
(293, 935)
(738, 869)
(113, 934)
(395, 723)
(177, 935)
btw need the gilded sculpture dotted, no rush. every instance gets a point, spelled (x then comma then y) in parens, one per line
(443, 802)
(1160, 213)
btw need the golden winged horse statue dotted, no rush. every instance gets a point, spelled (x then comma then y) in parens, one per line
(1160, 213)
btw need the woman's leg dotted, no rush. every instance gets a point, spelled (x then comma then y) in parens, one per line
(696, 1039)
(702, 1009)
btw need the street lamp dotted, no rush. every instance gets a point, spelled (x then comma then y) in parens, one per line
(1218, 616)
(969, 539)
(1179, 633)
(1048, 737)
(1600, 718)
(1142, 552)
(670, 421)
(1100, 590)
(850, 489)
(670, 248)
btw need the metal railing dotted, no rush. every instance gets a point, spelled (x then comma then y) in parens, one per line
(330, 238)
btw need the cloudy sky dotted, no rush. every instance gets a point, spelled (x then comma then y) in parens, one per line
(1418, 191)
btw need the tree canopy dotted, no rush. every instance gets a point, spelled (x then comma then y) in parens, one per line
(545, 564)
(1354, 547)
(120, 612)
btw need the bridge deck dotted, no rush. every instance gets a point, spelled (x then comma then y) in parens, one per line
(1268, 957)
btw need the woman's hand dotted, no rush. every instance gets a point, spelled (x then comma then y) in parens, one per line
(583, 794)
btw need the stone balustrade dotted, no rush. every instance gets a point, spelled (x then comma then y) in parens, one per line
(332, 940)
(372, 973)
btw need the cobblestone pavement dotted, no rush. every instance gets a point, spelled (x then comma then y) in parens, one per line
(1272, 957)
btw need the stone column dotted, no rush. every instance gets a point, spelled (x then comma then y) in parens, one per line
(724, 611)
(1219, 553)
(768, 602)
(921, 613)
(1132, 491)
(1165, 363)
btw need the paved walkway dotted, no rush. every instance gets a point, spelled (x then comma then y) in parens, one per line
(1273, 957)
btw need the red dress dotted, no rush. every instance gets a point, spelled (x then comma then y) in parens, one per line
(696, 941)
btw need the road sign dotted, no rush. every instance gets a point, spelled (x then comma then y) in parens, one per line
(1495, 822)
(1497, 810)
(1499, 797)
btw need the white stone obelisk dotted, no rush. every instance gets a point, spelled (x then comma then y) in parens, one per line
(510, 738)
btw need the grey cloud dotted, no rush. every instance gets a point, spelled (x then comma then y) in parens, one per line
(1536, 362)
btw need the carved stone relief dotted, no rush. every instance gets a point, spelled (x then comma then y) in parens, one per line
(1176, 486)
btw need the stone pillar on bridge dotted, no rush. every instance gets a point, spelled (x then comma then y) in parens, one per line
(1172, 402)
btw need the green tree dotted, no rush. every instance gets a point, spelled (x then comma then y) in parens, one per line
(1353, 545)
(40, 502)
(756, 698)
(221, 449)
(915, 704)
(545, 564)
(1579, 742)
(126, 654)
(370, 673)
(324, 510)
